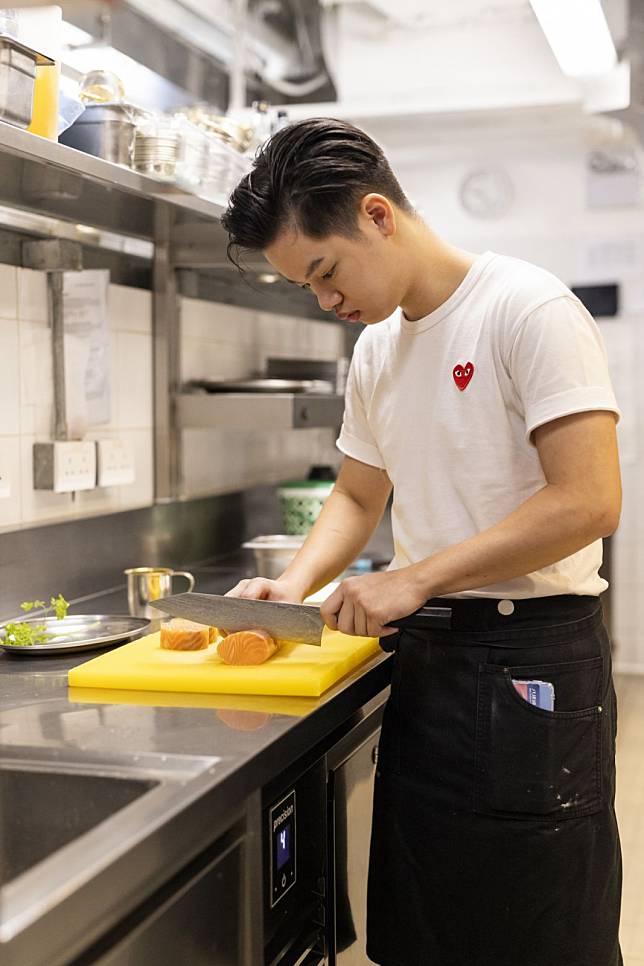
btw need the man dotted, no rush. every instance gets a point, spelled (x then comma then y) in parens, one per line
(479, 392)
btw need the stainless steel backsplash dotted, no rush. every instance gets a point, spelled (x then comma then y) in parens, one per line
(82, 557)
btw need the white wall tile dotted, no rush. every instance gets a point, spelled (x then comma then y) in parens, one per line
(207, 350)
(218, 341)
(270, 329)
(27, 411)
(36, 379)
(196, 359)
(230, 323)
(133, 383)
(129, 309)
(214, 360)
(9, 377)
(141, 492)
(32, 295)
(8, 292)
(104, 499)
(196, 317)
(10, 507)
(213, 322)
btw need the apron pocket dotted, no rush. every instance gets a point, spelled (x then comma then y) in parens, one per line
(533, 763)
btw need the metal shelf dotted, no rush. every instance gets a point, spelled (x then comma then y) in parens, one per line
(188, 255)
(52, 179)
(258, 411)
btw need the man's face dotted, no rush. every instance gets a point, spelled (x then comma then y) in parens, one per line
(358, 278)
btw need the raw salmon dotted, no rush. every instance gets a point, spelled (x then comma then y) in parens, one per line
(247, 647)
(183, 635)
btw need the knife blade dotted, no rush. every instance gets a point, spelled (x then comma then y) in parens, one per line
(283, 621)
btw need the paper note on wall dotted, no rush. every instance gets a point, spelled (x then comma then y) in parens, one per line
(87, 350)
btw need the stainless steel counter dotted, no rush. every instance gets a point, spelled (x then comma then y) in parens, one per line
(208, 753)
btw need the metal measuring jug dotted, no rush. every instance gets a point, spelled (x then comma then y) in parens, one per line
(147, 584)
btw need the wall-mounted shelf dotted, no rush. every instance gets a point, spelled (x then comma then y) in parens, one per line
(258, 411)
(51, 179)
(57, 185)
(188, 255)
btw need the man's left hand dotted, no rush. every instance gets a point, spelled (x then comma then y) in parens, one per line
(364, 605)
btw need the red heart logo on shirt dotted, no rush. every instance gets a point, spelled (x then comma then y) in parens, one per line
(462, 374)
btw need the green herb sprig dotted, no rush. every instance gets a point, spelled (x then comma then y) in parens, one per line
(20, 634)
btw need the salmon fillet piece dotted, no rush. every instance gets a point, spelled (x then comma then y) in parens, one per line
(247, 647)
(183, 635)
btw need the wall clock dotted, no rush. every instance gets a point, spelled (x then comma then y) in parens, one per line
(487, 192)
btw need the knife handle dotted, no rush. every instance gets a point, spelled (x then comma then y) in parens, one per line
(425, 618)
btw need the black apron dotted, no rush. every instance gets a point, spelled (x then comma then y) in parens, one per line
(494, 837)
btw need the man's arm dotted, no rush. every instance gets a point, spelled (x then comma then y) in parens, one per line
(348, 518)
(580, 502)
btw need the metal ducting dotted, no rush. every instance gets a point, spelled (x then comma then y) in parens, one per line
(304, 76)
(192, 44)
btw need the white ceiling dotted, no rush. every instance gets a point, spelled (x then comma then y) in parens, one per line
(430, 13)
(405, 64)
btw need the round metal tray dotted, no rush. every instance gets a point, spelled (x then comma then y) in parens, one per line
(265, 385)
(80, 632)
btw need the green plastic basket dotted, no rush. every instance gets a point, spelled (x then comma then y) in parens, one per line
(301, 503)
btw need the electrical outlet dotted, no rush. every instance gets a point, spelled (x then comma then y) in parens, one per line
(115, 459)
(65, 466)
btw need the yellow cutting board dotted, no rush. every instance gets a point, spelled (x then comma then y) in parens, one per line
(267, 704)
(296, 669)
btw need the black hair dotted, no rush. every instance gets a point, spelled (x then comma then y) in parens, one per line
(310, 175)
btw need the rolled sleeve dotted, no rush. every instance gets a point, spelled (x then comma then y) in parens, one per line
(558, 364)
(356, 439)
(358, 449)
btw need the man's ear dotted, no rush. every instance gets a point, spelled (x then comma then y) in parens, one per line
(380, 212)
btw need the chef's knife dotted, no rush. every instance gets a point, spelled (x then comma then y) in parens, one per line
(285, 622)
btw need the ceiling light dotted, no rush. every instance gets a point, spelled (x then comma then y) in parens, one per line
(268, 278)
(578, 34)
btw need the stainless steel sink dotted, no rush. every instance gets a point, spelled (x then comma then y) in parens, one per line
(81, 841)
(42, 811)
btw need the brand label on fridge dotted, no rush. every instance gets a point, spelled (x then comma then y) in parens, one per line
(282, 838)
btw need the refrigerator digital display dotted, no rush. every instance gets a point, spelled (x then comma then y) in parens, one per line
(283, 846)
(282, 841)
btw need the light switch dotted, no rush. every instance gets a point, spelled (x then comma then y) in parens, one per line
(115, 461)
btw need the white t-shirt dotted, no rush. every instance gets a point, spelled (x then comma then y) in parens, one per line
(446, 406)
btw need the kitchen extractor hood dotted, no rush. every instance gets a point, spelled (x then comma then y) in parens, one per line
(193, 44)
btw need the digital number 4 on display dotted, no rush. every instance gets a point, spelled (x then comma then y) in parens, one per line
(283, 846)
(283, 824)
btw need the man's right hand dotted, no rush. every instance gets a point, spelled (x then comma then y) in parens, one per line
(261, 588)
